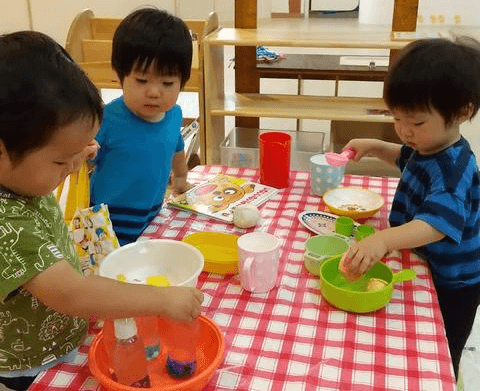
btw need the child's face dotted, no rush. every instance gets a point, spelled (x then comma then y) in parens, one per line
(426, 131)
(149, 95)
(42, 170)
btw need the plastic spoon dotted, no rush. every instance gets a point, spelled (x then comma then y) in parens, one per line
(340, 159)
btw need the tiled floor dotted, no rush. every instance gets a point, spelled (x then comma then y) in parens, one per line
(471, 359)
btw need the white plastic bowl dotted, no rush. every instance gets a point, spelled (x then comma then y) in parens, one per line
(181, 263)
(353, 202)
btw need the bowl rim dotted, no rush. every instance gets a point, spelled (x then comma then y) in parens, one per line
(321, 257)
(154, 242)
(333, 259)
(380, 200)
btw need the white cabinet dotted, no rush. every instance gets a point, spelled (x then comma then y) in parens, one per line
(333, 5)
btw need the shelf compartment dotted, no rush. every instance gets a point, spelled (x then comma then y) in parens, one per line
(300, 106)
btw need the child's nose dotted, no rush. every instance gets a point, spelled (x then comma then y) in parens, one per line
(154, 91)
(404, 130)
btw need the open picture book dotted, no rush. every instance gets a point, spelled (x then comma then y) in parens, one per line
(218, 197)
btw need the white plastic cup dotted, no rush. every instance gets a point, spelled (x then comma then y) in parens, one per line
(258, 258)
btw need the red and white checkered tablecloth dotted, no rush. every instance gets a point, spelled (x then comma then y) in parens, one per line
(290, 339)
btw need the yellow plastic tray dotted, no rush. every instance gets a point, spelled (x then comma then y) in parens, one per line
(218, 249)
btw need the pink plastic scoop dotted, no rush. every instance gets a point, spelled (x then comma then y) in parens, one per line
(340, 159)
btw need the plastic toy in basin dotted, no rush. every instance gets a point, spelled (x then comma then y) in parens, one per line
(210, 353)
(353, 202)
(353, 296)
(178, 262)
(219, 250)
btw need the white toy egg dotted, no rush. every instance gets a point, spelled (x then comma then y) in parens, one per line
(246, 216)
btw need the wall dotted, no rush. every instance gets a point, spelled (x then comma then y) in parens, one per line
(430, 12)
(14, 16)
(53, 17)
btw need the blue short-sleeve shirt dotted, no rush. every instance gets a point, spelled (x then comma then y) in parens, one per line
(133, 166)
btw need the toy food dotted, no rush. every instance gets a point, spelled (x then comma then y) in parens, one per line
(121, 278)
(159, 280)
(375, 284)
(344, 270)
(246, 216)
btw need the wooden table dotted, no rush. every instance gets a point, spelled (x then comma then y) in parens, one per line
(290, 338)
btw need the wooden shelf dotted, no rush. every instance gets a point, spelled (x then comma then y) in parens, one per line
(220, 104)
(299, 106)
(371, 39)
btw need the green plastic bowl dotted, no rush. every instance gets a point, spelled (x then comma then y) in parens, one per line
(351, 296)
(321, 247)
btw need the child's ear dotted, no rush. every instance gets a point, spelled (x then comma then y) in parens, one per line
(4, 156)
(3, 150)
(466, 113)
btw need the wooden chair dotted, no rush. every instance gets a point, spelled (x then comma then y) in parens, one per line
(89, 42)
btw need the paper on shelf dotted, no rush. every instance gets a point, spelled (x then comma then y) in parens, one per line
(380, 61)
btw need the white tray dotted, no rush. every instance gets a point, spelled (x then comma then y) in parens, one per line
(322, 223)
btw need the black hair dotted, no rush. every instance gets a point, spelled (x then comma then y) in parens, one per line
(148, 36)
(436, 74)
(41, 90)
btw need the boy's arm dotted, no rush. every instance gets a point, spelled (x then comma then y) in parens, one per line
(369, 250)
(415, 233)
(62, 288)
(388, 152)
(180, 171)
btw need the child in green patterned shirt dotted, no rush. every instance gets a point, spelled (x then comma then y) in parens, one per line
(49, 115)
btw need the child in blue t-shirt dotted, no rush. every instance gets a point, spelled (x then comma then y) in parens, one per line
(140, 139)
(49, 116)
(432, 88)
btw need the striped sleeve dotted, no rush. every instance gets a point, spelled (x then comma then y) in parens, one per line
(445, 212)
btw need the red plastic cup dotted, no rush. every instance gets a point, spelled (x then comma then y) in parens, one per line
(275, 159)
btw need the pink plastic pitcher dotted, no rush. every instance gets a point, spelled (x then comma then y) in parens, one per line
(258, 257)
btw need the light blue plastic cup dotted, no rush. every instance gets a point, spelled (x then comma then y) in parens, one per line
(323, 176)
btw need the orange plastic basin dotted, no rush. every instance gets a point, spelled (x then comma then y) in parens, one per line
(210, 353)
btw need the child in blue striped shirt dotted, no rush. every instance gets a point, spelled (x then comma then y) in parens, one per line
(431, 89)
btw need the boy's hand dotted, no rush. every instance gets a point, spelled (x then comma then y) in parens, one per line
(88, 153)
(180, 185)
(182, 303)
(361, 257)
(362, 146)
(91, 150)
